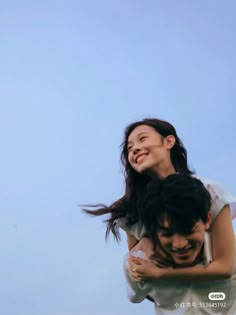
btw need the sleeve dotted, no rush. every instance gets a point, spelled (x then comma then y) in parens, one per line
(220, 198)
(137, 291)
(207, 253)
(137, 229)
(121, 222)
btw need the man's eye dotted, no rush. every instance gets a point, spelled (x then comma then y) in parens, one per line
(167, 234)
(187, 232)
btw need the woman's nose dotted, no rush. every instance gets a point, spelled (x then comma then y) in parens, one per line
(136, 148)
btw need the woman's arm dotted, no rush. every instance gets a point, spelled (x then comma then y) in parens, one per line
(223, 248)
(223, 243)
(132, 241)
(157, 257)
(223, 257)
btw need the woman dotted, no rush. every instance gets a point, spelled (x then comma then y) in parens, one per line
(152, 148)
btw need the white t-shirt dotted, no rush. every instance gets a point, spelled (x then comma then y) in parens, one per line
(220, 198)
(173, 297)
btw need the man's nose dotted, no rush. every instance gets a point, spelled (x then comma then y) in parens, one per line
(179, 242)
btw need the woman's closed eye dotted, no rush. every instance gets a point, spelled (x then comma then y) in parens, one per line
(142, 138)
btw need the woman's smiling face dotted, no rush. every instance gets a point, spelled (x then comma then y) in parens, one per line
(148, 150)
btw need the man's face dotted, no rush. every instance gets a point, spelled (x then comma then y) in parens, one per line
(184, 248)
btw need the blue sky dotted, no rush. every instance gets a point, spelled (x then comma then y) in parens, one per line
(73, 75)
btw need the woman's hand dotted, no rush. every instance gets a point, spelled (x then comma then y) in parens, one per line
(158, 257)
(162, 259)
(141, 269)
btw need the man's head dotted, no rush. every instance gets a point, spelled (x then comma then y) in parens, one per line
(176, 213)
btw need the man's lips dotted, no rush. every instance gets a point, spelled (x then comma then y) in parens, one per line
(182, 253)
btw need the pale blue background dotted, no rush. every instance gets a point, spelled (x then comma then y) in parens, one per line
(73, 75)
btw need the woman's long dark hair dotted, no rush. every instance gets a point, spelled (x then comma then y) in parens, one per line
(135, 184)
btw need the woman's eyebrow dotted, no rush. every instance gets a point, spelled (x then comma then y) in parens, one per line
(138, 135)
(142, 132)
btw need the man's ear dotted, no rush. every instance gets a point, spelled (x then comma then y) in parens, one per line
(170, 141)
(209, 219)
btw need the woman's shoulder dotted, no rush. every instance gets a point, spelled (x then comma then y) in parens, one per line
(219, 195)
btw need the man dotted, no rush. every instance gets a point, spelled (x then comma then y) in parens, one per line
(176, 217)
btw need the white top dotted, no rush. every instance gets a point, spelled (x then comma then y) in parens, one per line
(220, 198)
(173, 297)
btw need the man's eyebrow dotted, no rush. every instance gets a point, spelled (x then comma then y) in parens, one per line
(170, 230)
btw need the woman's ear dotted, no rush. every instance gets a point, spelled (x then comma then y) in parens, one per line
(170, 141)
